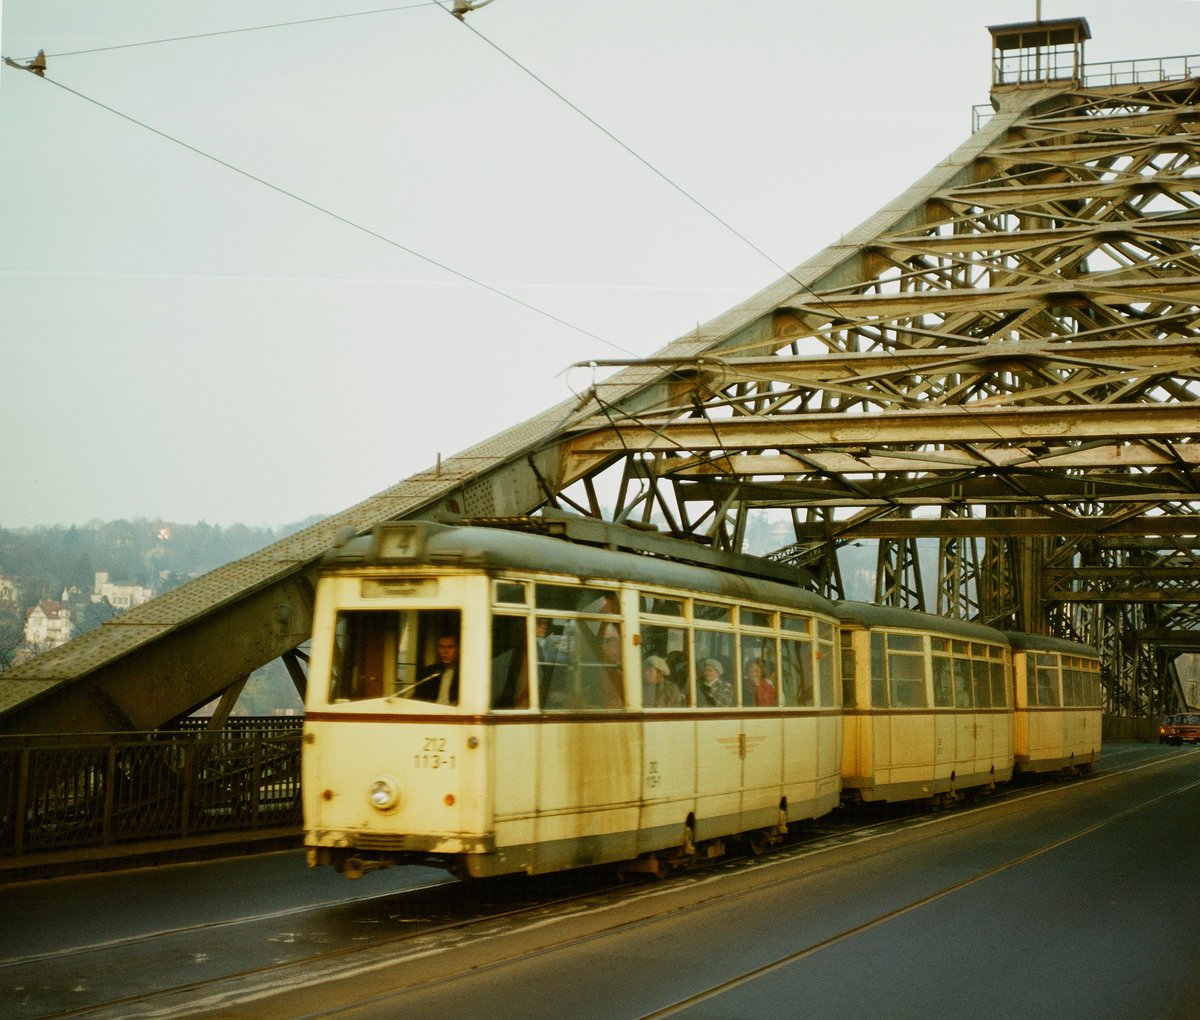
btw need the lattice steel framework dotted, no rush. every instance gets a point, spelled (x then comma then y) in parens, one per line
(1006, 357)
(994, 379)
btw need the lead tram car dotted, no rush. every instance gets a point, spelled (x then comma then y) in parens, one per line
(599, 704)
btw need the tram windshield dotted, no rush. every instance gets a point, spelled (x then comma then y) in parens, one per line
(405, 653)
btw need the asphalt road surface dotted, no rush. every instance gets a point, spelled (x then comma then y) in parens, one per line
(1059, 899)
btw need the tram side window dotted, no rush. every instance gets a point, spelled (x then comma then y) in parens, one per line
(393, 653)
(962, 676)
(849, 671)
(760, 678)
(999, 677)
(1047, 680)
(825, 664)
(906, 670)
(715, 660)
(981, 680)
(943, 673)
(510, 663)
(878, 671)
(796, 673)
(664, 667)
(1093, 668)
(1072, 683)
(587, 673)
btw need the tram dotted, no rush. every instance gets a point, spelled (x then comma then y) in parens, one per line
(553, 692)
(502, 701)
(1057, 717)
(927, 705)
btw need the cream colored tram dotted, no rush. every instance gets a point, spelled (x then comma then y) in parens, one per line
(1057, 718)
(609, 705)
(927, 705)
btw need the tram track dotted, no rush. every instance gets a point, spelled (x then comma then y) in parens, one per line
(424, 947)
(805, 848)
(325, 966)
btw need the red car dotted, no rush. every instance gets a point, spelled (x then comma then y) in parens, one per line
(1181, 728)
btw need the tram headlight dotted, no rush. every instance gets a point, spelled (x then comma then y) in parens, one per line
(384, 793)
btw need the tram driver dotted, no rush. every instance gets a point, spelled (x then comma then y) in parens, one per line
(440, 682)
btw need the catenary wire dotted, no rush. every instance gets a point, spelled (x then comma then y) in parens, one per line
(249, 28)
(340, 218)
(822, 299)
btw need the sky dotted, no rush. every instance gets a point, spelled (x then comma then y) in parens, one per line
(265, 272)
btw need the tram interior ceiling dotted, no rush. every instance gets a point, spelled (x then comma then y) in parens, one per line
(993, 381)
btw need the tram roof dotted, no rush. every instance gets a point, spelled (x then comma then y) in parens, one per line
(424, 543)
(870, 615)
(1043, 643)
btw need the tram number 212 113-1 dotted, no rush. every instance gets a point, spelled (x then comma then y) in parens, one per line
(433, 755)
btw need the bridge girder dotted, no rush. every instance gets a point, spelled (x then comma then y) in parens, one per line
(1004, 359)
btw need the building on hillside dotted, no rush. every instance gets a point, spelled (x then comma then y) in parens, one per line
(10, 591)
(119, 596)
(47, 625)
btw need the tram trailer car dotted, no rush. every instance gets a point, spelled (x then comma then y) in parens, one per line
(927, 705)
(1057, 715)
(602, 706)
(933, 706)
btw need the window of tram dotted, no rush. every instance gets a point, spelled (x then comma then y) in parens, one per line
(962, 676)
(849, 671)
(1047, 679)
(664, 667)
(825, 664)
(943, 672)
(796, 672)
(906, 670)
(510, 662)
(1093, 669)
(999, 674)
(1072, 682)
(795, 661)
(585, 671)
(396, 653)
(760, 674)
(878, 671)
(760, 678)
(981, 682)
(716, 667)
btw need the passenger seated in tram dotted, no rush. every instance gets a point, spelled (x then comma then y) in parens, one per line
(713, 689)
(548, 651)
(658, 691)
(758, 688)
(439, 683)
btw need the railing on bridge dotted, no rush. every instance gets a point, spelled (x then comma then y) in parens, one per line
(74, 792)
(1117, 72)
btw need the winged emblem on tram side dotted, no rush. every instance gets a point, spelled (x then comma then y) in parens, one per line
(741, 745)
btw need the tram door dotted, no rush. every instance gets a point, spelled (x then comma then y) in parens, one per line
(668, 731)
(586, 771)
(720, 737)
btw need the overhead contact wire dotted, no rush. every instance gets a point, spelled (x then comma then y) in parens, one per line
(342, 219)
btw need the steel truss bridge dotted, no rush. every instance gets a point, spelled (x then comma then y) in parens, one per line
(995, 375)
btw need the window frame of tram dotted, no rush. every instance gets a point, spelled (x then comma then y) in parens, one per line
(675, 636)
(665, 650)
(388, 650)
(964, 674)
(579, 654)
(1044, 679)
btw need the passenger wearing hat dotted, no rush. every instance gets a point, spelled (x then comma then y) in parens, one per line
(713, 689)
(657, 689)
